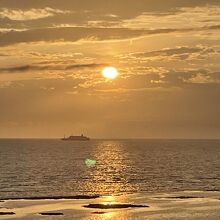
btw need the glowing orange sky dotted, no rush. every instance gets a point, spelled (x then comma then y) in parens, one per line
(52, 54)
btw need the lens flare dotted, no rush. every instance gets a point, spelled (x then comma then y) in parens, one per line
(90, 163)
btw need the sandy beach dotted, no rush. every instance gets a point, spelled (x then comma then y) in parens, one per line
(179, 205)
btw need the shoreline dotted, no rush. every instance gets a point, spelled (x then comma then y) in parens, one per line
(191, 204)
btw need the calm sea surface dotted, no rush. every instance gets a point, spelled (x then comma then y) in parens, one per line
(57, 168)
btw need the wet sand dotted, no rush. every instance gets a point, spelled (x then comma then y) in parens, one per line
(172, 206)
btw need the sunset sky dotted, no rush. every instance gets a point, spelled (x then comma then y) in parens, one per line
(167, 53)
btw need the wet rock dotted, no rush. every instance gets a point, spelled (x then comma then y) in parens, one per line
(99, 213)
(184, 197)
(114, 206)
(7, 213)
(86, 197)
(51, 213)
(55, 197)
(212, 190)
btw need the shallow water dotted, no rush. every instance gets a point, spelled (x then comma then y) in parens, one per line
(57, 168)
(172, 206)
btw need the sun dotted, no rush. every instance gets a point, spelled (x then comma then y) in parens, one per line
(110, 72)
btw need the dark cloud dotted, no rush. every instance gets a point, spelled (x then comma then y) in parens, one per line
(79, 14)
(177, 78)
(77, 33)
(3, 55)
(73, 34)
(215, 75)
(72, 18)
(170, 79)
(85, 11)
(178, 51)
(25, 68)
(171, 51)
(191, 77)
(114, 7)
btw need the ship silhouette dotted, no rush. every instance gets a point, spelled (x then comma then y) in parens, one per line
(75, 138)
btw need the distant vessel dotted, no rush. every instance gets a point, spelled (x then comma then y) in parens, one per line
(76, 138)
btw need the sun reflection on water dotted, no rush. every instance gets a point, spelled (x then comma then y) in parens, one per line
(110, 215)
(109, 174)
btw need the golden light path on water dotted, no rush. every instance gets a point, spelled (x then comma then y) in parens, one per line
(108, 176)
(110, 214)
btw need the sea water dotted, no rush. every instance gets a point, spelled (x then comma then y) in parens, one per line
(34, 167)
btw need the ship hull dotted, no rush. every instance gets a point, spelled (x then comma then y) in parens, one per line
(76, 138)
(68, 139)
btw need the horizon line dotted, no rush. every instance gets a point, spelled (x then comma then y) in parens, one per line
(112, 138)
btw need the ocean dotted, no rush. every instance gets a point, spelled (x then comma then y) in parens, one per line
(40, 167)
